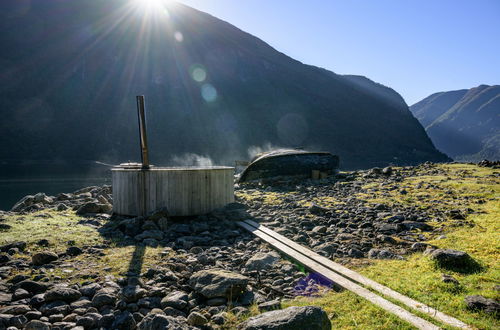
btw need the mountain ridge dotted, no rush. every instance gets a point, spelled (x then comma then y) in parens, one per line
(208, 84)
(463, 123)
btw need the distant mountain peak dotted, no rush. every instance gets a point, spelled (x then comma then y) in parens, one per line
(464, 123)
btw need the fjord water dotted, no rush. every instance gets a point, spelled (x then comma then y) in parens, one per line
(17, 181)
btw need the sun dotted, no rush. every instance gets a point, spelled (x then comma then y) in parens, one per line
(151, 4)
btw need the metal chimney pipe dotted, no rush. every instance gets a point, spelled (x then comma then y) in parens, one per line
(142, 131)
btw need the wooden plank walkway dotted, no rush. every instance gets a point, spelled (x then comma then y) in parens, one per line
(352, 280)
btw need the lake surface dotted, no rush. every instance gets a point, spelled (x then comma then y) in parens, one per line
(17, 181)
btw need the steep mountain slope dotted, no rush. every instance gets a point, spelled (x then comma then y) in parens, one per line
(464, 124)
(71, 70)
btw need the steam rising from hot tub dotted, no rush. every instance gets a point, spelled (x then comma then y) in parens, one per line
(191, 159)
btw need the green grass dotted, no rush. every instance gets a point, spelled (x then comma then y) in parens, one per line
(63, 230)
(58, 228)
(418, 277)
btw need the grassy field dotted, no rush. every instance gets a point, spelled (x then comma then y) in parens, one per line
(457, 186)
(463, 186)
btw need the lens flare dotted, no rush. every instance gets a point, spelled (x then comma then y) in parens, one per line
(208, 92)
(198, 73)
(178, 36)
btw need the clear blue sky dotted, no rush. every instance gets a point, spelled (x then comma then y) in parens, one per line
(416, 47)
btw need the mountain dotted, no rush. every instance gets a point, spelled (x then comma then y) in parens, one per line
(70, 71)
(464, 124)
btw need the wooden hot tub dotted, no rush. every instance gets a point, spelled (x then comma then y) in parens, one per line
(184, 191)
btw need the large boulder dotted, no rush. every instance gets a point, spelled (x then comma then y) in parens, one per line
(62, 293)
(177, 299)
(218, 283)
(44, 257)
(262, 261)
(154, 321)
(478, 302)
(292, 318)
(452, 259)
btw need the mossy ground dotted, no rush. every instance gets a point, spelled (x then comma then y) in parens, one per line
(473, 189)
(463, 187)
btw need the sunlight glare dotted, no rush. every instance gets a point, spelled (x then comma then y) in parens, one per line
(151, 4)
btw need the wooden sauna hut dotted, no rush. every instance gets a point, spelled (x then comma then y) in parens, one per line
(139, 188)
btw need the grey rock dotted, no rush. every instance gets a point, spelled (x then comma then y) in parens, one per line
(36, 325)
(269, 305)
(37, 300)
(106, 321)
(163, 224)
(419, 246)
(20, 294)
(292, 318)
(44, 257)
(382, 254)
(33, 315)
(90, 289)
(103, 297)
(86, 322)
(390, 228)
(387, 170)
(18, 321)
(217, 301)
(4, 258)
(132, 293)
(155, 234)
(74, 251)
(262, 261)
(196, 319)
(5, 298)
(218, 283)
(63, 294)
(15, 309)
(155, 321)
(62, 207)
(89, 208)
(22, 203)
(318, 210)
(20, 245)
(81, 303)
(151, 242)
(449, 258)
(478, 302)
(93, 207)
(124, 321)
(355, 253)
(449, 279)
(326, 249)
(149, 225)
(177, 299)
(55, 307)
(219, 318)
(409, 225)
(169, 311)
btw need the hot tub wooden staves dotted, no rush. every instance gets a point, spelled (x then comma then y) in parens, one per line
(184, 191)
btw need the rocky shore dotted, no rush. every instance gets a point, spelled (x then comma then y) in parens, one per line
(210, 271)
